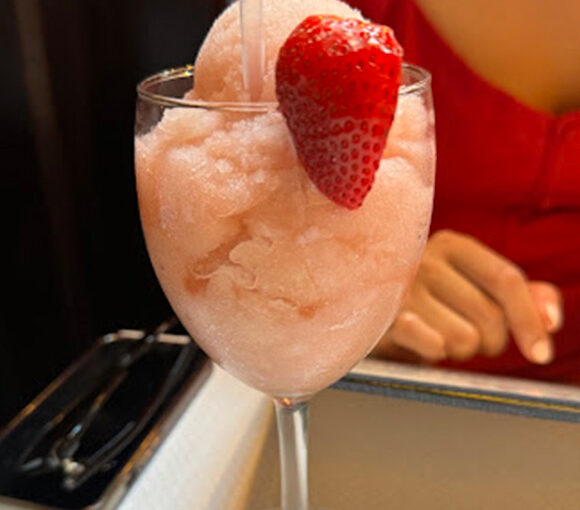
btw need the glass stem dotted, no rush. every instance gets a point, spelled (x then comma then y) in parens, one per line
(292, 418)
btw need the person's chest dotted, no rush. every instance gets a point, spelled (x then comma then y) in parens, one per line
(528, 48)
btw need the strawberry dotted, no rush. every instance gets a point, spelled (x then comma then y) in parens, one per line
(337, 82)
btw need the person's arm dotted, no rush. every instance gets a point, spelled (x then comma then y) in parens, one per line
(467, 300)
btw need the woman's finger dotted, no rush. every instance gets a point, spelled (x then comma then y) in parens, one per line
(468, 300)
(412, 333)
(549, 302)
(506, 284)
(462, 339)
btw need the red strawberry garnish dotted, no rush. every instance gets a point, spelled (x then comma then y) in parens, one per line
(337, 82)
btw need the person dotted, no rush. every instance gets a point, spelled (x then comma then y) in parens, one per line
(498, 287)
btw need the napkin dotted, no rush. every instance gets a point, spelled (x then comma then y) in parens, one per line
(208, 459)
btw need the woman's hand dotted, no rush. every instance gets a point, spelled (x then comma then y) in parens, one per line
(466, 300)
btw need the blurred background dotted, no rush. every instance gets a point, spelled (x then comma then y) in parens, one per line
(75, 261)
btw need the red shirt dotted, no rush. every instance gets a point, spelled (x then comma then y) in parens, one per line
(507, 174)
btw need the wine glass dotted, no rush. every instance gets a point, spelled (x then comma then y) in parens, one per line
(280, 286)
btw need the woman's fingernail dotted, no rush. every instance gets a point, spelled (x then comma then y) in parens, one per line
(542, 351)
(554, 315)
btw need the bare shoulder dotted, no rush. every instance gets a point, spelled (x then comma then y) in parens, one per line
(493, 37)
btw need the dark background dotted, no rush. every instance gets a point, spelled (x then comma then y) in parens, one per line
(75, 261)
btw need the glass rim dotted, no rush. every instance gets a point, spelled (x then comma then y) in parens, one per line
(423, 80)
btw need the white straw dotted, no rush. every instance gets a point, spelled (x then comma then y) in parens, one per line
(253, 52)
